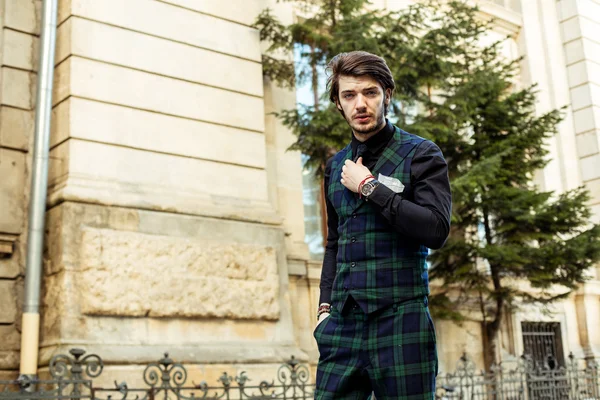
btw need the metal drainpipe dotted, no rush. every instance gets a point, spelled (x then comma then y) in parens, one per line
(39, 187)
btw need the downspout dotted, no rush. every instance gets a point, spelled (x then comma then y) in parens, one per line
(30, 331)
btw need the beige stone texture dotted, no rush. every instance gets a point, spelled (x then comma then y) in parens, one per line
(453, 341)
(171, 22)
(118, 85)
(165, 257)
(23, 15)
(585, 96)
(572, 8)
(242, 11)
(128, 127)
(583, 72)
(8, 304)
(582, 49)
(587, 143)
(590, 167)
(19, 50)
(175, 277)
(9, 360)
(17, 88)
(101, 42)
(12, 171)
(587, 119)
(9, 375)
(16, 127)
(11, 337)
(121, 176)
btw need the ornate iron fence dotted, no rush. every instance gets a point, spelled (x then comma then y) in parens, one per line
(525, 379)
(72, 378)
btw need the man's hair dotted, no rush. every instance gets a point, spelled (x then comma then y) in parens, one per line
(358, 63)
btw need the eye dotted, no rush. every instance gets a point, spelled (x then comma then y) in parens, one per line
(348, 96)
(371, 93)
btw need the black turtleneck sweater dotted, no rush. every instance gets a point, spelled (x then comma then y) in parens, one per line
(426, 218)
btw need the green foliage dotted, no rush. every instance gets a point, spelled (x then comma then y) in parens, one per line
(465, 97)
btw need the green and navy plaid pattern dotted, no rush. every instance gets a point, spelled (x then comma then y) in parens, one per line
(375, 264)
(392, 352)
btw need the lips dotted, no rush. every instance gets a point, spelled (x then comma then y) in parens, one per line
(362, 118)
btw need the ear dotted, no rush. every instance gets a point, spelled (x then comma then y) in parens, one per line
(388, 96)
(338, 105)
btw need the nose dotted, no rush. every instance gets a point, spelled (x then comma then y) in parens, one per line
(361, 102)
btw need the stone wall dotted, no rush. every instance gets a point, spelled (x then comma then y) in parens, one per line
(175, 213)
(19, 32)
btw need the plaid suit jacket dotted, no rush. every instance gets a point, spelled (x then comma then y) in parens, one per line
(375, 264)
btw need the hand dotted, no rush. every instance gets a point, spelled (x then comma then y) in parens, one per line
(354, 173)
(322, 318)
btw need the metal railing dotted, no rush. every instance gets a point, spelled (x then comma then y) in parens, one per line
(72, 377)
(524, 379)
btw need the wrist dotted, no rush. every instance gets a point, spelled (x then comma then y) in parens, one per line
(324, 308)
(368, 178)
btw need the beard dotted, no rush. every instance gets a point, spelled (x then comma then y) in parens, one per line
(375, 123)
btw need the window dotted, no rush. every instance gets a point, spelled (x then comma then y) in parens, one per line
(542, 342)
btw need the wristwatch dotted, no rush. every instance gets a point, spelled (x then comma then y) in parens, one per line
(368, 188)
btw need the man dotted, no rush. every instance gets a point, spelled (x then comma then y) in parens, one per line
(388, 199)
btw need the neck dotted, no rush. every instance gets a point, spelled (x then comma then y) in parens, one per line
(363, 137)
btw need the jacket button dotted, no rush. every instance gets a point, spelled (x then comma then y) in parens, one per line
(353, 264)
(353, 240)
(353, 215)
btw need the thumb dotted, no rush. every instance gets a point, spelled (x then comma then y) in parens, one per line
(359, 161)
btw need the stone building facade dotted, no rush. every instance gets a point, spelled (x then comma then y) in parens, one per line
(175, 216)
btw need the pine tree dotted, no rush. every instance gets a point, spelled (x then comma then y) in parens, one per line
(462, 95)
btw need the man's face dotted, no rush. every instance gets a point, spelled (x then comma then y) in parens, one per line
(362, 100)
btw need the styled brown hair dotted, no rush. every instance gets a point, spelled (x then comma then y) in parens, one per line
(358, 63)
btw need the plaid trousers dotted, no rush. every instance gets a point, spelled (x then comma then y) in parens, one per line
(391, 352)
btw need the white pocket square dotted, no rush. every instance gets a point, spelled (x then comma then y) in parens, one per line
(394, 184)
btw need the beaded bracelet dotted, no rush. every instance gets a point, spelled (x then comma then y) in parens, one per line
(323, 309)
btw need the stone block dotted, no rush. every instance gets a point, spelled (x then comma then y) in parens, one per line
(114, 45)
(10, 256)
(9, 359)
(11, 338)
(9, 376)
(590, 167)
(574, 52)
(587, 143)
(566, 9)
(176, 277)
(12, 205)
(571, 29)
(20, 50)
(586, 119)
(23, 15)
(242, 11)
(17, 88)
(106, 123)
(174, 23)
(118, 85)
(585, 96)
(8, 302)
(16, 127)
(122, 176)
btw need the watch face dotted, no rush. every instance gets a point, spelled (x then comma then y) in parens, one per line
(368, 188)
